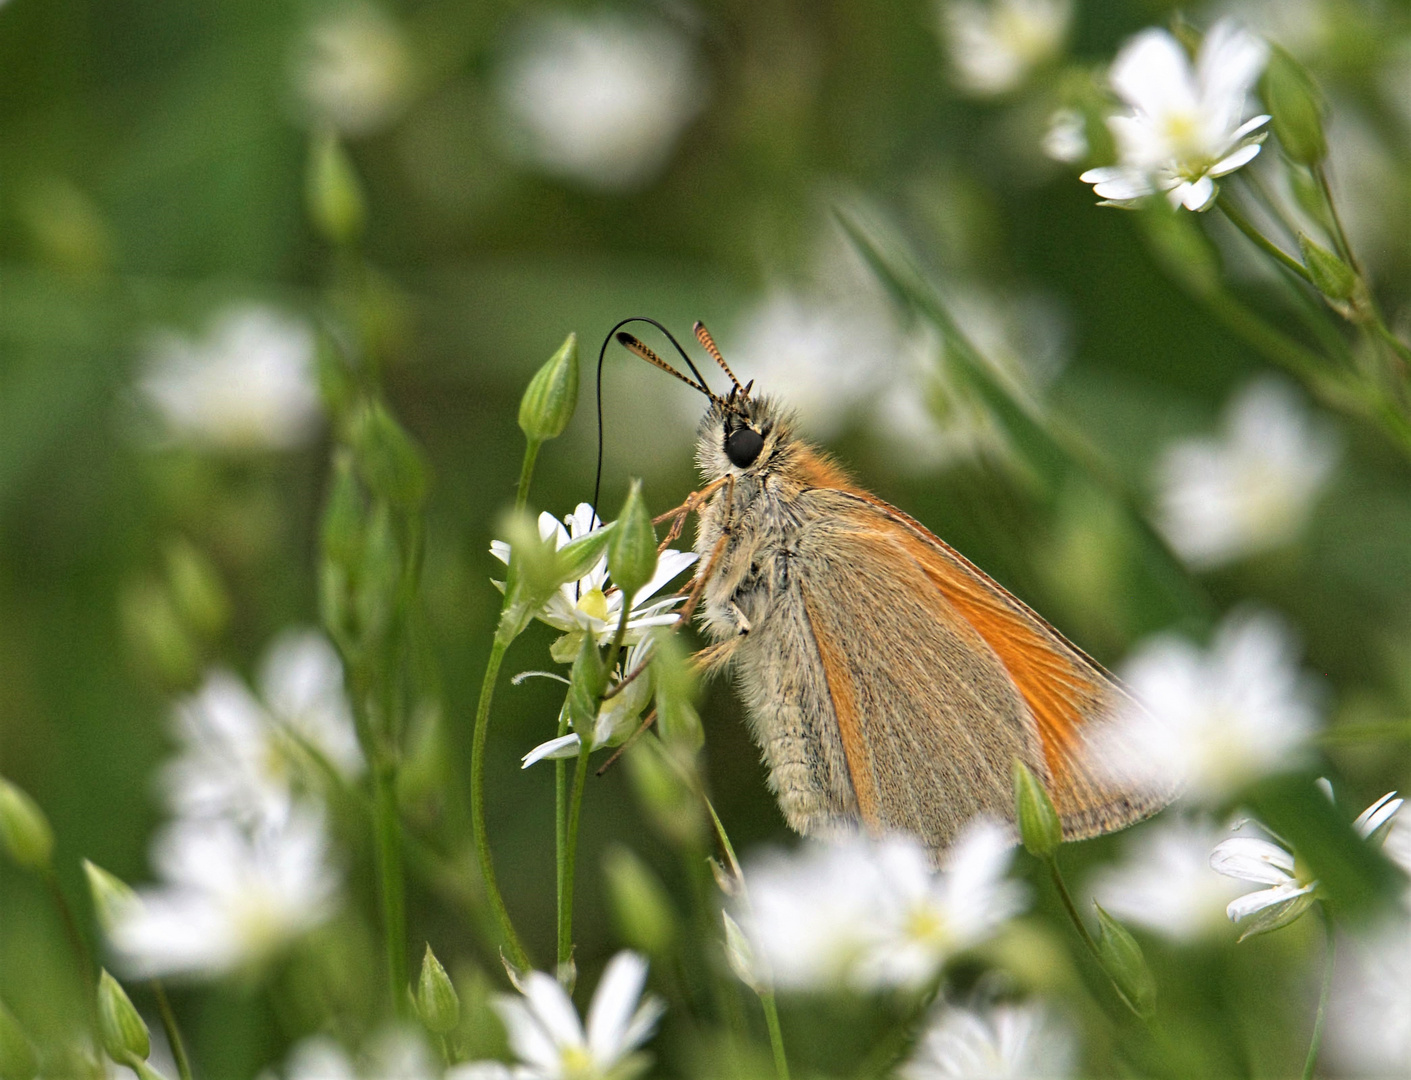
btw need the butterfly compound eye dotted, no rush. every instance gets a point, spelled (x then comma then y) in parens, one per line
(742, 446)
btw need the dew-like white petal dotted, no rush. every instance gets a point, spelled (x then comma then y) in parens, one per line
(1251, 859)
(565, 746)
(614, 1001)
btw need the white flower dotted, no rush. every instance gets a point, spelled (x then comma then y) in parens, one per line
(1067, 137)
(1213, 721)
(1185, 126)
(353, 70)
(1166, 883)
(616, 716)
(1369, 1022)
(1005, 1042)
(393, 1054)
(550, 1041)
(1288, 889)
(231, 899)
(240, 757)
(1251, 489)
(996, 45)
(590, 603)
(872, 913)
(600, 99)
(248, 384)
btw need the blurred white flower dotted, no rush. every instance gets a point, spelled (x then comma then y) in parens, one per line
(1186, 125)
(1166, 882)
(599, 99)
(1066, 139)
(392, 1054)
(870, 913)
(1004, 1042)
(249, 383)
(617, 716)
(1369, 1020)
(1251, 489)
(592, 604)
(550, 1041)
(353, 69)
(1211, 721)
(230, 898)
(996, 44)
(241, 757)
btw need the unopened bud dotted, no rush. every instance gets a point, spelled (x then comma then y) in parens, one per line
(1332, 277)
(1039, 826)
(17, 1058)
(669, 804)
(436, 1001)
(743, 960)
(632, 545)
(645, 916)
(196, 588)
(552, 395)
(1296, 106)
(388, 460)
(110, 894)
(24, 830)
(586, 683)
(341, 529)
(333, 192)
(124, 1035)
(1122, 959)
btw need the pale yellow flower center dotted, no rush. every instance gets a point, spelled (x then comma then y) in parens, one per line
(577, 1061)
(594, 604)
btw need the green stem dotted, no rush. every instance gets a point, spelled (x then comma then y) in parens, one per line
(174, 1040)
(387, 829)
(526, 473)
(776, 1035)
(1244, 225)
(1330, 956)
(517, 955)
(76, 940)
(561, 833)
(580, 781)
(1072, 909)
(1339, 233)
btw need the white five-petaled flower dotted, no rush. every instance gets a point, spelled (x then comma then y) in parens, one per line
(1166, 883)
(590, 604)
(1003, 1042)
(582, 101)
(1288, 889)
(1210, 721)
(867, 913)
(1185, 126)
(353, 69)
(995, 45)
(1251, 489)
(249, 383)
(392, 1054)
(551, 1042)
(615, 715)
(246, 758)
(231, 898)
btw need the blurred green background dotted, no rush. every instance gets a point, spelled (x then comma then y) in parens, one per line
(154, 161)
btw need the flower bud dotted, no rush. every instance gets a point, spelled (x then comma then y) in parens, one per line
(645, 916)
(586, 683)
(632, 545)
(552, 395)
(1039, 827)
(121, 1029)
(332, 192)
(532, 577)
(388, 460)
(1332, 277)
(196, 589)
(111, 895)
(1124, 963)
(1296, 106)
(17, 1057)
(669, 804)
(436, 1001)
(25, 832)
(341, 530)
(741, 956)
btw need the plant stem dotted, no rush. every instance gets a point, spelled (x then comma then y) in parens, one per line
(1329, 957)
(174, 1040)
(517, 955)
(526, 473)
(560, 833)
(76, 940)
(1339, 233)
(1072, 909)
(1244, 225)
(776, 1035)
(387, 830)
(580, 781)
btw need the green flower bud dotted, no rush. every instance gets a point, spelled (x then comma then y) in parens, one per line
(669, 804)
(1039, 826)
(586, 683)
(645, 917)
(577, 557)
(333, 193)
(632, 545)
(156, 634)
(17, 1058)
(1297, 107)
(196, 588)
(675, 682)
(1333, 277)
(386, 457)
(552, 395)
(532, 577)
(109, 893)
(436, 1000)
(379, 577)
(341, 530)
(124, 1035)
(742, 958)
(1124, 963)
(24, 830)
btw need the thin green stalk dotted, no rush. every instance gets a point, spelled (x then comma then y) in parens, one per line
(1329, 957)
(77, 943)
(580, 781)
(1072, 909)
(526, 474)
(387, 830)
(1244, 225)
(174, 1040)
(560, 830)
(1320, 174)
(516, 952)
(776, 1035)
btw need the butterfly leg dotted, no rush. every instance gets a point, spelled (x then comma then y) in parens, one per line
(703, 573)
(678, 517)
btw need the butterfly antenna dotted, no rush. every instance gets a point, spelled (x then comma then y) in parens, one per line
(636, 346)
(708, 343)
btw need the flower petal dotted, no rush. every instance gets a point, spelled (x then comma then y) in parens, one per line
(1251, 859)
(616, 996)
(1242, 156)
(1378, 816)
(1270, 909)
(1153, 74)
(565, 746)
(553, 1009)
(529, 1039)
